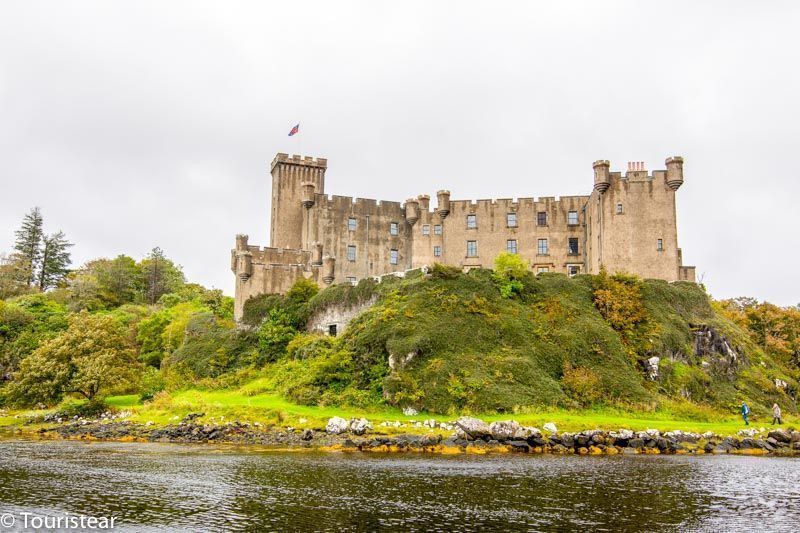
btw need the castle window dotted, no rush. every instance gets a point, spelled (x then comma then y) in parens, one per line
(511, 220)
(351, 253)
(393, 228)
(472, 221)
(351, 280)
(572, 218)
(542, 247)
(351, 224)
(426, 229)
(541, 218)
(511, 246)
(472, 248)
(573, 270)
(393, 257)
(437, 251)
(660, 245)
(619, 209)
(437, 229)
(539, 270)
(332, 330)
(573, 246)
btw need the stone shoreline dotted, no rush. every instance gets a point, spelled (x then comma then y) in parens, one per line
(471, 436)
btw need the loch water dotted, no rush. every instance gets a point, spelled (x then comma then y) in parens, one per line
(166, 487)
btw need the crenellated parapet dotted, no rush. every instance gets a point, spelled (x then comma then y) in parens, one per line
(296, 160)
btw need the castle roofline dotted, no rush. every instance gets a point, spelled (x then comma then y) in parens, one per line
(305, 161)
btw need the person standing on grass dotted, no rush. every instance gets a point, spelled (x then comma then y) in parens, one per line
(745, 413)
(776, 414)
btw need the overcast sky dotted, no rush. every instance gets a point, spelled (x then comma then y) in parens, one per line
(139, 124)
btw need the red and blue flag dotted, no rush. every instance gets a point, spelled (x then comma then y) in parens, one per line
(295, 130)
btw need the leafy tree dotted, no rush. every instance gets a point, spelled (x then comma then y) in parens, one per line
(106, 284)
(90, 358)
(28, 245)
(509, 271)
(274, 335)
(55, 261)
(11, 282)
(776, 329)
(159, 276)
(118, 280)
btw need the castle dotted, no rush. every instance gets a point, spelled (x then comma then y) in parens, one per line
(627, 223)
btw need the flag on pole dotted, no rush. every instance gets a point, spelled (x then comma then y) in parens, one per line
(294, 130)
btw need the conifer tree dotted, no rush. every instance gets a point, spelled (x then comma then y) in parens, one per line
(159, 275)
(55, 261)
(28, 247)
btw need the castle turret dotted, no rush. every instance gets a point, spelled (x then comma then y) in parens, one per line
(602, 180)
(308, 194)
(290, 174)
(412, 211)
(674, 172)
(424, 202)
(242, 259)
(328, 267)
(443, 197)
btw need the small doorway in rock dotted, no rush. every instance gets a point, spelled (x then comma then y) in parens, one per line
(332, 330)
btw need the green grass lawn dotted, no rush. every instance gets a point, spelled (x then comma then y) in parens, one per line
(271, 409)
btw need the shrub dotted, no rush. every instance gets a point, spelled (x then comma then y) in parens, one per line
(582, 384)
(274, 335)
(509, 272)
(152, 383)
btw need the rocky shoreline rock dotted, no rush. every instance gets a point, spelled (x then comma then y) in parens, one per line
(471, 435)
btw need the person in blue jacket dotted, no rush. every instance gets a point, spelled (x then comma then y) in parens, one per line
(745, 413)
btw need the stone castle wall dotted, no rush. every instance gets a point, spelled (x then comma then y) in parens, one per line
(628, 223)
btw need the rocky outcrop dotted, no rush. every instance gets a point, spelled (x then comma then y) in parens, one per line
(714, 350)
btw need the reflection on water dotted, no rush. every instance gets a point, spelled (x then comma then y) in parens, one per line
(158, 487)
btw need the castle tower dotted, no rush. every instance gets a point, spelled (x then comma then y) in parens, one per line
(292, 177)
(632, 223)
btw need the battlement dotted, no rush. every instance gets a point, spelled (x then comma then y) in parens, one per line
(306, 161)
(358, 204)
(269, 255)
(515, 202)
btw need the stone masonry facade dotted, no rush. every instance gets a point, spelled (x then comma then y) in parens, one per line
(627, 223)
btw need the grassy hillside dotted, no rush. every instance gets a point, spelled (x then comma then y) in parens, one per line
(488, 342)
(459, 345)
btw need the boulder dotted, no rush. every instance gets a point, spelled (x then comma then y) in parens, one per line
(652, 368)
(526, 432)
(307, 434)
(550, 428)
(470, 428)
(359, 426)
(518, 446)
(191, 416)
(504, 429)
(337, 425)
(567, 440)
(780, 435)
(410, 411)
